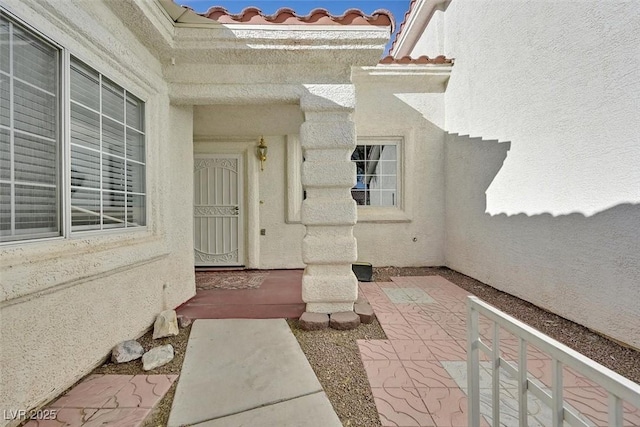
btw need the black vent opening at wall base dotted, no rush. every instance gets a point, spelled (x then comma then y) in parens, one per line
(363, 271)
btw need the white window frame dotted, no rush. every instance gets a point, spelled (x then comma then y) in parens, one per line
(64, 153)
(102, 115)
(397, 213)
(381, 214)
(396, 142)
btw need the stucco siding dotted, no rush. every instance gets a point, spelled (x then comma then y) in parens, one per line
(555, 220)
(65, 302)
(560, 82)
(585, 269)
(413, 233)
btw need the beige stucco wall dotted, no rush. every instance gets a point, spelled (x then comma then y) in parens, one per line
(65, 302)
(385, 236)
(555, 220)
(413, 233)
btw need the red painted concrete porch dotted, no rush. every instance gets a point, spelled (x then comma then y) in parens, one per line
(279, 295)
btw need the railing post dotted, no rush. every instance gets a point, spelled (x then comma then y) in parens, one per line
(523, 383)
(473, 366)
(495, 371)
(620, 389)
(557, 400)
(615, 410)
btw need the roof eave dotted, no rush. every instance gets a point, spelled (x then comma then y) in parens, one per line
(404, 70)
(414, 25)
(411, 78)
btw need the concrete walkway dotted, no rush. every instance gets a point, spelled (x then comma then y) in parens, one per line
(248, 372)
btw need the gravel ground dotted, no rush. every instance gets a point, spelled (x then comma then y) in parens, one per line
(335, 359)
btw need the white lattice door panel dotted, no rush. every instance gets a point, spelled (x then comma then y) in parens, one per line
(218, 224)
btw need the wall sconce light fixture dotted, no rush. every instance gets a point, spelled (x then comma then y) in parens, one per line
(261, 150)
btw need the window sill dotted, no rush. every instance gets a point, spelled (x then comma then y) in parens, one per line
(372, 214)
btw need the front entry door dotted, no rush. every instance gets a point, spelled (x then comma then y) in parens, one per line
(218, 210)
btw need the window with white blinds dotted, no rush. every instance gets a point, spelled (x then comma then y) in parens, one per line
(107, 153)
(29, 135)
(106, 144)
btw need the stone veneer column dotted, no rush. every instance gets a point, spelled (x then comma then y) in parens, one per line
(328, 138)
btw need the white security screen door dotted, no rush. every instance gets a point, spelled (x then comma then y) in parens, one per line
(218, 210)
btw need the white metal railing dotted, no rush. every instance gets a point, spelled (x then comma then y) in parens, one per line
(619, 388)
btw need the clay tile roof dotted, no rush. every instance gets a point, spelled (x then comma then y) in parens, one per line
(421, 60)
(285, 15)
(402, 25)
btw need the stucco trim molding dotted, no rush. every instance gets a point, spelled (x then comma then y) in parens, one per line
(294, 181)
(405, 78)
(31, 294)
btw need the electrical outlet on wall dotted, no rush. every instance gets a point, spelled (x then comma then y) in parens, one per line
(263, 231)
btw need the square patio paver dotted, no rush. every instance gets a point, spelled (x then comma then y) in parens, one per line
(407, 296)
(401, 407)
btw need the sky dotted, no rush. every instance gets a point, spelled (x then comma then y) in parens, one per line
(303, 7)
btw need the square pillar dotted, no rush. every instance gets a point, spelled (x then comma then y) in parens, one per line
(328, 137)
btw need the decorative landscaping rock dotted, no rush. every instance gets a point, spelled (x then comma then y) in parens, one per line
(313, 321)
(184, 321)
(126, 351)
(166, 325)
(344, 320)
(157, 357)
(365, 312)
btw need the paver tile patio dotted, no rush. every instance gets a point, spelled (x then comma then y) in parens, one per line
(383, 307)
(428, 373)
(447, 349)
(432, 332)
(401, 407)
(65, 417)
(386, 373)
(417, 318)
(399, 332)
(436, 308)
(391, 318)
(448, 406)
(419, 374)
(101, 400)
(94, 392)
(125, 417)
(376, 350)
(411, 311)
(412, 350)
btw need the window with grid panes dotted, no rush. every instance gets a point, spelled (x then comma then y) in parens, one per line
(376, 174)
(29, 135)
(107, 153)
(106, 144)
